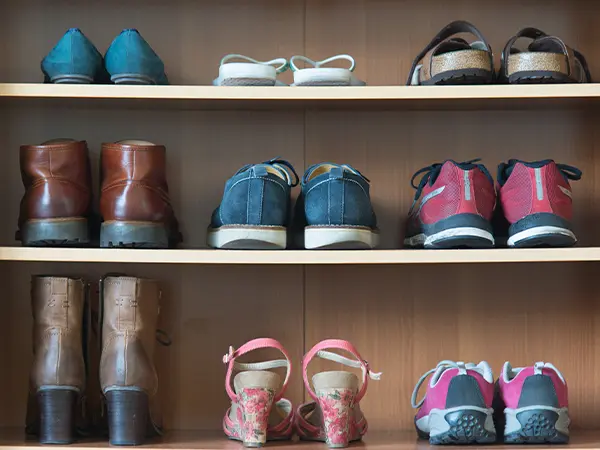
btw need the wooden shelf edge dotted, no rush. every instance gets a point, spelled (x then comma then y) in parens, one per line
(204, 256)
(194, 440)
(368, 93)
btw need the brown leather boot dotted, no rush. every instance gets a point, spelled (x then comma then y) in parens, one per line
(56, 205)
(134, 202)
(57, 377)
(127, 373)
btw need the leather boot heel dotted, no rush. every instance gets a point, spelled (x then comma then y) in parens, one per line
(127, 417)
(57, 415)
(134, 234)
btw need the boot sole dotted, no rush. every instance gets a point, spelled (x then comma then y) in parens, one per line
(134, 235)
(67, 232)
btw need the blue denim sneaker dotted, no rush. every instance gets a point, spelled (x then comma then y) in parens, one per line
(255, 210)
(337, 210)
(74, 60)
(131, 60)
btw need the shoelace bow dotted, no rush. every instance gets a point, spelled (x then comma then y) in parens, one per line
(446, 364)
(283, 165)
(432, 172)
(348, 167)
(569, 172)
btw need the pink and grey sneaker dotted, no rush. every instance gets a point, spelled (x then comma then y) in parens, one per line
(452, 208)
(334, 416)
(258, 411)
(536, 200)
(535, 404)
(457, 407)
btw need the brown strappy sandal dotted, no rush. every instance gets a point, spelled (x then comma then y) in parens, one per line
(452, 60)
(546, 60)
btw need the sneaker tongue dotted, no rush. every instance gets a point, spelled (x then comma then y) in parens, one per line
(320, 169)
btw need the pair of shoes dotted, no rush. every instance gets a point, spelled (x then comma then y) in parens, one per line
(462, 405)
(448, 59)
(128, 60)
(333, 210)
(264, 73)
(128, 323)
(259, 413)
(56, 209)
(455, 203)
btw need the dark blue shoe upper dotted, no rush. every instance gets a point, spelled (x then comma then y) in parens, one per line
(336, 195)
(74, 59)
(131, 57)
(258, 194)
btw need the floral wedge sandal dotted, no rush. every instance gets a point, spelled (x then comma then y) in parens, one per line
(258, 410)
(335, 416)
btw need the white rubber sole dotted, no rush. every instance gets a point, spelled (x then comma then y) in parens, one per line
(325, 77)
(421, 240)
(540, 231)
(343, 238)
(436, 424)
(247, 238)
(513, 425)
(246, 74)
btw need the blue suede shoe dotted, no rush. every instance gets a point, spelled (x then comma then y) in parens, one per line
(255, 210)
(130, 60)
(74, 60)
(336, 207)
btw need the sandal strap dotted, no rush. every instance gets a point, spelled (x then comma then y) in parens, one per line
(281, 67)
(456, 27)
(359, 363)
(318, 64)
(248, 347)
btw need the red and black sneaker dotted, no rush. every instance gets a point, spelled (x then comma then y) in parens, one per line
(453, 207)
(536, 200)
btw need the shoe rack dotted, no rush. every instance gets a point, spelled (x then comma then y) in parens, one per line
(405, 310)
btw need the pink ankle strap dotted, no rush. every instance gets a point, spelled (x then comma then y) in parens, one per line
(248, 347)
(317, 350)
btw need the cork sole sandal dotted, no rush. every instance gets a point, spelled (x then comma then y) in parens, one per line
(547, 60)
(448, 59)
(258, 411)
(334, 416)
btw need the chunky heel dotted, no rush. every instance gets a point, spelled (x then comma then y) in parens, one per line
(134, 234)
(57, 415)
(127, 417)
(256, 404)
(68, 231)
(336, 405)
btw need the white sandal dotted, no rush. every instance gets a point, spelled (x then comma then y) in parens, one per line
(251, 72)
(324, 76)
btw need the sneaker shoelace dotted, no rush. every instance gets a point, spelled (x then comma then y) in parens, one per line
(505, 169)
(283, 166)
(446, 364)
(431, 173)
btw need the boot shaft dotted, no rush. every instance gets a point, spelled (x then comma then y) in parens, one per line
(129, 322)
(58, 306)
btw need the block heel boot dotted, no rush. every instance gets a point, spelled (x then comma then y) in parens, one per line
(127, 373)
(258, 411)
(334, 416)
(58, 372)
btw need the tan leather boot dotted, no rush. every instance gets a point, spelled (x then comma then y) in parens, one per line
(58, 371)
(127, 373)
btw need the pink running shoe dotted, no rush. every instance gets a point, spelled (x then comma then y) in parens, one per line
(457, 408)
(535, 404)
(255, 395)
(334, 416)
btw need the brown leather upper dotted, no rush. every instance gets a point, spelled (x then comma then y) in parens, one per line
(57, 306)
(130, 316)
(134, 184)
(57, 180)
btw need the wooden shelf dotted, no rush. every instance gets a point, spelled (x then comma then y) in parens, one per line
(193, 440)
(204, 256)
(396, 97)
